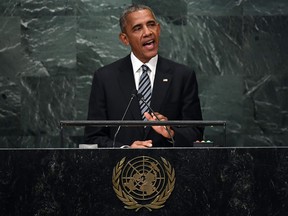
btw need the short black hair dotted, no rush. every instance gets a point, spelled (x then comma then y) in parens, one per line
(130, 9)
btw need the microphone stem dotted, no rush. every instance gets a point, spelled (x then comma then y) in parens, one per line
(119, 127)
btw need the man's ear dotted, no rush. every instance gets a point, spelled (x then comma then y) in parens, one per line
(123, 38)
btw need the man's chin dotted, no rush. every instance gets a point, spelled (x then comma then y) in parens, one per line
(151, 54)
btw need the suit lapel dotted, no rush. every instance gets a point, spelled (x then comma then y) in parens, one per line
(162, 81)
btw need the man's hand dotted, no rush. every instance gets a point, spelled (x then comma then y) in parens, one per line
(142, 144)
(163, 130)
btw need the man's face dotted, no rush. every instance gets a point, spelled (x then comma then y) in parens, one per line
(142, 34)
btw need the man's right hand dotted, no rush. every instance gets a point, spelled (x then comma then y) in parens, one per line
(142, 144)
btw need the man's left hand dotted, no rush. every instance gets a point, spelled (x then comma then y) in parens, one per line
(163, 130)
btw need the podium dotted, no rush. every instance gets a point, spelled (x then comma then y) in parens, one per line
(194, 181)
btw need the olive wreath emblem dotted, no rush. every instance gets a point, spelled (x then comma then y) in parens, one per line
(130, 202)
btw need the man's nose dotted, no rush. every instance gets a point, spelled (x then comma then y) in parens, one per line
(147, 31)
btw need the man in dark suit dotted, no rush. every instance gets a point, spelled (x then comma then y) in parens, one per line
(173, 87)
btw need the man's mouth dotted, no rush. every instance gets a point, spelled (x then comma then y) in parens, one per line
(149, 43)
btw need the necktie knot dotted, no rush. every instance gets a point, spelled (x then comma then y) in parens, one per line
(145, 68)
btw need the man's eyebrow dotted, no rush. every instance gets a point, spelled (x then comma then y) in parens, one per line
(151, 21)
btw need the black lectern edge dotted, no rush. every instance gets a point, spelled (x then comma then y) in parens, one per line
(146, 149)
(127, 123)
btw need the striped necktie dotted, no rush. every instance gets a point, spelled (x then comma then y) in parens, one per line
(145, 90)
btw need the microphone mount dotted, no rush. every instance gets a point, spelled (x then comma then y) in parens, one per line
(140, 97)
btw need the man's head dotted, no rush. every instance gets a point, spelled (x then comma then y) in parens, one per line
(140, 30)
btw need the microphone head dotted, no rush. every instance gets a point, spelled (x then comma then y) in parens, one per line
(134, 93)
(139, 95)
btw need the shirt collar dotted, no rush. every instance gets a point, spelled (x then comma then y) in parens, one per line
(136, 63)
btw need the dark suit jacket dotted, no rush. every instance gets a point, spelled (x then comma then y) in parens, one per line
(175, 95)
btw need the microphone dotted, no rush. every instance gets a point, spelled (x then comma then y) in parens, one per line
(140, 97)
(133, 95)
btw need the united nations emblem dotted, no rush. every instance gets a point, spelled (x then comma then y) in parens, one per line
(143, 182)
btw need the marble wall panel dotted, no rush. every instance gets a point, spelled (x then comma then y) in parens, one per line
(10, 107)
(51, 41)
(214, 45)
(268, 8)
(10, 67)
(106, 7)
(10, 46)
(10, 8)
(97, 42)
(45, 101)
(265, 39)
(221, 99)
(35, 141)
(44, 8)
(215, 8)
(265, 109)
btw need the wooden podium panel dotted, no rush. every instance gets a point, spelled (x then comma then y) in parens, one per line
(179, 181)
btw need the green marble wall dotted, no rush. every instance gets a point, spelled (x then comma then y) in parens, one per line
(50, 49)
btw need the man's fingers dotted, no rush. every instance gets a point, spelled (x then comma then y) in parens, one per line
(142, 144)
(148, 144)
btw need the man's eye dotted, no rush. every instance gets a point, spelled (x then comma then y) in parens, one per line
(137, 28)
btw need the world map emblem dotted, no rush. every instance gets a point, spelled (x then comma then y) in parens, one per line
(143, 182)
